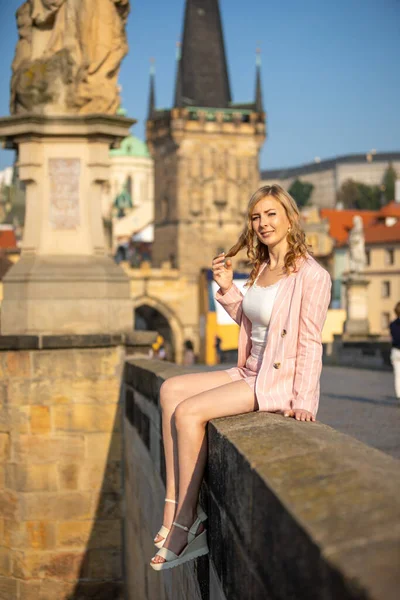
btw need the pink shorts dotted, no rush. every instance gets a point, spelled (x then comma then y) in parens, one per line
(247, 373)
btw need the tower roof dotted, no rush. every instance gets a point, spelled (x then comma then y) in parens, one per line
(131, 146)
(152, 92)
(202, 76)
(258, 103)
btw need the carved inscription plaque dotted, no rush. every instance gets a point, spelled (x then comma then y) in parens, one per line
(64, 192)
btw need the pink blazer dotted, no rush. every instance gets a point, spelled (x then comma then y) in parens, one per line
(291, 367)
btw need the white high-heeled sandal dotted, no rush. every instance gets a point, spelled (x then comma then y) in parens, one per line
(196, 546)
(164, 531)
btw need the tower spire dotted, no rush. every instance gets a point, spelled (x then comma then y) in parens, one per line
(178, 83)
(202, 77)
(152, 92)
(258, 102)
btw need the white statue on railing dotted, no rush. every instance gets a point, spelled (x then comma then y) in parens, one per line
(358, 257)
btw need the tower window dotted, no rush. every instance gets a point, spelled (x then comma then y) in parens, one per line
(385, 320)
(385, 289)
(389, 256)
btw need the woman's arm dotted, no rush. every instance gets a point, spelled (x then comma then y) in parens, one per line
(314, 307)
(232, 302)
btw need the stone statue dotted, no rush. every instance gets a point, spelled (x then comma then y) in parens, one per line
(68, 56)
(358, 259)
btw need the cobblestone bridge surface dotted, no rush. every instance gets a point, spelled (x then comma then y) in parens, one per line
(360, 403)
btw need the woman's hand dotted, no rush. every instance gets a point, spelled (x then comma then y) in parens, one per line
(222, 272)
(299, 414)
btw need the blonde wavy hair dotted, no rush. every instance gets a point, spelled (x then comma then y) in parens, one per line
(257, 252)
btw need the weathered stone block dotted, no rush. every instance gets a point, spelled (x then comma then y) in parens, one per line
(29, 590)
(8, 504)
(40, 535)
(20, 419)
(104, 446)
(106, 534)
(86, 417)
(94, 390)
(17, 364)
(109, 506)
(40, 419)
(77, 363)
(4, 447)
(73, 533)
(14, 533)
(64, 566)
(32, 478)
(102, 564)
(8, 588)
(5, 561)
(4, 416)
(46, 589)
(61, 506)
(69, 476)
(97, 475)
(41, 448)
(3, 396)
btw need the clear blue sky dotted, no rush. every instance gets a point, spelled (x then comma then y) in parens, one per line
(330, 70)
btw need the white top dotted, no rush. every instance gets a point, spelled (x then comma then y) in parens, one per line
(257, 306)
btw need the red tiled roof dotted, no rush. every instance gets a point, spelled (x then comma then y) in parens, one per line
(8, 241)
(341, 221)
(390, 210)
(381, 233)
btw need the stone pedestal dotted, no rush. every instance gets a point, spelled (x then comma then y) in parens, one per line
(356, 323)
(61, 472)
(64, 281)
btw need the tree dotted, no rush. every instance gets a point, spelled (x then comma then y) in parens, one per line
(348, 194)
(354, 194)
(388, 181)
(369, 196)
(301, 192)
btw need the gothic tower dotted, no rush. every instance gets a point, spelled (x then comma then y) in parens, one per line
(205, 149)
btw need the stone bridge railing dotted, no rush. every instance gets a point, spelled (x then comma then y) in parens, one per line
(297, 511)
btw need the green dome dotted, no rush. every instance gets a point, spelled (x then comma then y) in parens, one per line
(131, 146)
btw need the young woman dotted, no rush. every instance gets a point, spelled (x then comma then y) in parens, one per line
(279, 361)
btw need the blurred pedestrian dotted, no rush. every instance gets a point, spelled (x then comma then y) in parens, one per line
(395, 352)
(188, 353)
(218, 350)
(162, 354)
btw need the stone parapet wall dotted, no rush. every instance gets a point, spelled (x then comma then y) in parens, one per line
(296, 510)
(361, 353)
(61, 484)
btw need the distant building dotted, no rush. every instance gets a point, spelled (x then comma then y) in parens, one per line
(317, 235)
(12, 200)
(382, 245)
(128, 202)
(6, 176)
(340, 223)
(327, 176)
(9, 252)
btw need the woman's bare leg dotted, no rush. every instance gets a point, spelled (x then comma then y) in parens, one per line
(191, 417)
(173, 391)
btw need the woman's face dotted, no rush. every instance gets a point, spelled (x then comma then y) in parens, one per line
(270, 222)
